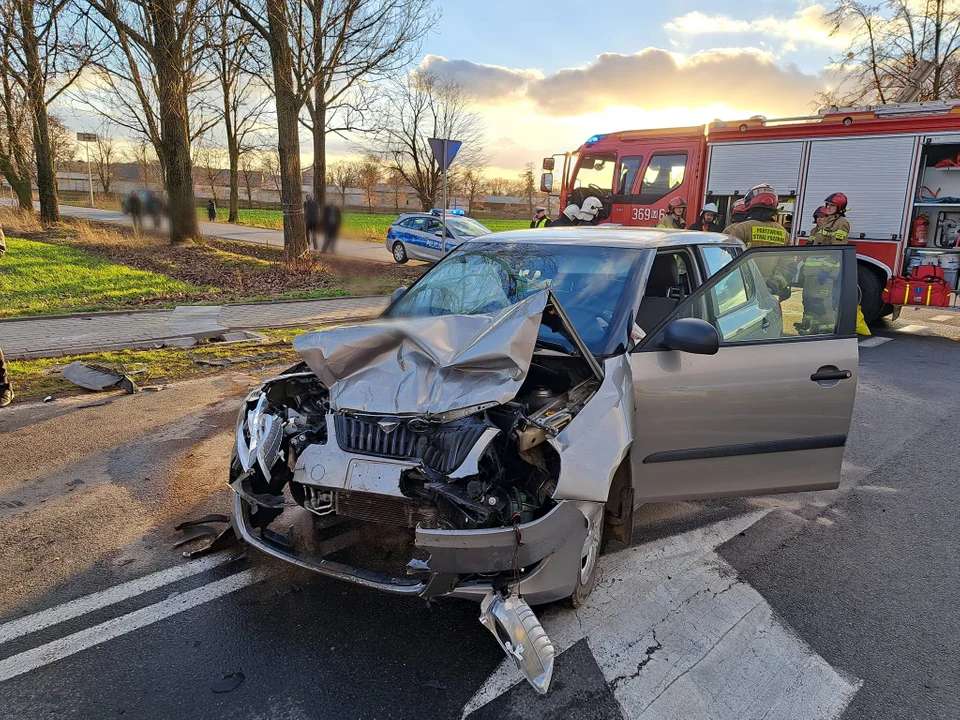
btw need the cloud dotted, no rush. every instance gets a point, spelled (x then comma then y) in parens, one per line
(655, 79)
(807, 26)
(487, 83)
(652, 79)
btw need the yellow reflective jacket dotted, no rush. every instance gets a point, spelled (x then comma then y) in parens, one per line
(835, 232)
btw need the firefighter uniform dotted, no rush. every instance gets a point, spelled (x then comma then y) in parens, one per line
(671, 221)
(766, 233)
(834, 232)
(821, 275)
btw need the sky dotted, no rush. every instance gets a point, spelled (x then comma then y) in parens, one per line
(546, 77)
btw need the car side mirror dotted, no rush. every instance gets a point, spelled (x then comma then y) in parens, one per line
(546, 182)
(397, 293)
(548, 163)
(692, 335)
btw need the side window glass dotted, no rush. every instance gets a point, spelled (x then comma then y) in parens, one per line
(716, 257)
(413, 223)
(627, 174)
(774, 295)
(664, 174)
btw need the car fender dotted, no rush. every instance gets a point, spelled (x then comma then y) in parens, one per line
(596, 441)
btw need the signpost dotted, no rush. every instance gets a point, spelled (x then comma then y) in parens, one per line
(87, 138)
(444, 151)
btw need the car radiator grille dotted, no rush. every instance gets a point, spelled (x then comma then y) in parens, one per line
(386, 509)
(442, 448)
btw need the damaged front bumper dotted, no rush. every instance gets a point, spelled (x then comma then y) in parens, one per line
(462, 563)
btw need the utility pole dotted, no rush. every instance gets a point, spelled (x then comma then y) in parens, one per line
(86, 139)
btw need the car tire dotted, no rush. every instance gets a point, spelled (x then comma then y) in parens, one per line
(871, 291)
(589, 560)
(400, 253)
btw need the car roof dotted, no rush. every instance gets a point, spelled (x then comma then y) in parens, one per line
(450, 216)
(611, 236)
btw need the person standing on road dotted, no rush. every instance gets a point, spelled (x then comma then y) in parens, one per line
(707, 222)
(311, 218)
(135, 208)
(154, 208)
(211, 211)
(760, 230)
(332, 219)
(676, 212)
(6, 390)
(540, 218)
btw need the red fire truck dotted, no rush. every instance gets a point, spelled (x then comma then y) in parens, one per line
(899, 165)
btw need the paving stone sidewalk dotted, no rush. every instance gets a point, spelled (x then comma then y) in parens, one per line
(72, 334)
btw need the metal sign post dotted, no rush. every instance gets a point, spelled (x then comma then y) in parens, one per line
(444, 151)
(86, 139)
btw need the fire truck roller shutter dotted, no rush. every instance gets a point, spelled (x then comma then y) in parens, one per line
(737, 167)
(874, 173)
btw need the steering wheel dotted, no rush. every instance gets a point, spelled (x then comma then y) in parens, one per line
(601, 193)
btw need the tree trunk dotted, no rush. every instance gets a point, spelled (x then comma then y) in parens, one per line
(36, 98)
(234, 153)
(320, 153)
(175, 159)
(288, 110)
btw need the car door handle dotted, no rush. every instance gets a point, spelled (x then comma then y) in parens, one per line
(824, 375)
(765, 325)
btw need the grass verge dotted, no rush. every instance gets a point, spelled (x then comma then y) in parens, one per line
(38, 278)
(37, 379)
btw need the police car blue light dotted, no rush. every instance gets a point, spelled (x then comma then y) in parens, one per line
(452, 211)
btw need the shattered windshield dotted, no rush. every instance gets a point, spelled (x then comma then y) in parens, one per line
(593, 285)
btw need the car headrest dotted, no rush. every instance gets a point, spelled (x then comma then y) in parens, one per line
(664, 273)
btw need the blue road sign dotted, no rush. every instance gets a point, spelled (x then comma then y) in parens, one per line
(444, 160)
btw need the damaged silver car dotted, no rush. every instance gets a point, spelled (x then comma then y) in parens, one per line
(510, 410)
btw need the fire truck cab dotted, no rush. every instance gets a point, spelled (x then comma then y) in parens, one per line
(899, 165)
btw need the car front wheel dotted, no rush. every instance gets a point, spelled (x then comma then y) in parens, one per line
(399, 253)
(589, 559)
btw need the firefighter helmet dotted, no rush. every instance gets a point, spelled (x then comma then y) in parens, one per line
(819, 212)
(838, 199)
(675, 203)
(760, 196)
(738, 206)
(591, 206)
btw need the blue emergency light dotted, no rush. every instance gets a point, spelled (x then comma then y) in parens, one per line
(453, 211)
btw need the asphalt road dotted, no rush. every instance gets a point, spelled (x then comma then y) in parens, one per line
(832, 604)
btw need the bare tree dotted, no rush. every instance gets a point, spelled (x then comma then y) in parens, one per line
(270, 166)
(206, 160)
(63, 146)
(149, 171)
(152, 70)
(500, 186)
(234, 61)
(396, 187)
(249, 173)
(273, 22)
(45, 50)
(105, 160)
(343, 175)
(417, 108)
(369, 173)
(16, 133)
(889, 39)
(472, 184)
(344, 49)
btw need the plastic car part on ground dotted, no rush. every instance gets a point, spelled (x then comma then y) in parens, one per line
(98, 378)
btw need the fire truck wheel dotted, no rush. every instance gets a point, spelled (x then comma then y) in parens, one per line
(871, 291)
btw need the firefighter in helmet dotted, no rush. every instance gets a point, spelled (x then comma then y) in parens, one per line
(737, 213)
(760, 230)
(676, 212)
(590, 210)
(569, 216)
(833, 228)
(707, 221)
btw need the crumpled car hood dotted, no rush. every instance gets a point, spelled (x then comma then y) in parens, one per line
(429, 365)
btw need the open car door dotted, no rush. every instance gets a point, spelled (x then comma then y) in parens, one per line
(763, 403)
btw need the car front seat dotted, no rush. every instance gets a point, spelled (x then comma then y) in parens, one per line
(662, 294)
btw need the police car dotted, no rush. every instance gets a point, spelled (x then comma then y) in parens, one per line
(420, 235)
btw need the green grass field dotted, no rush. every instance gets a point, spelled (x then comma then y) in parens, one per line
(40, 279)
(360, 226)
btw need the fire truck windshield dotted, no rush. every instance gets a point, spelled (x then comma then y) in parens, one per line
(595, 171)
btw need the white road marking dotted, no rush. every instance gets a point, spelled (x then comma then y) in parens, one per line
(110, 596)
(874, 341)
(942, 318)
(56, 650)
(677, 635)
(912, 328)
